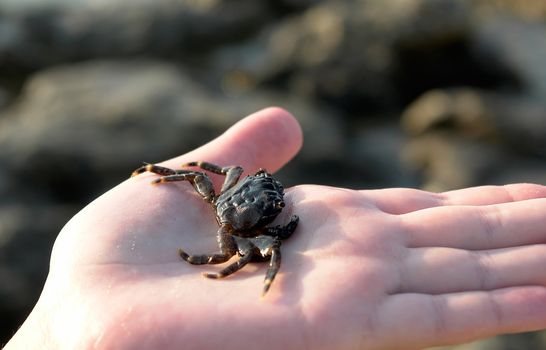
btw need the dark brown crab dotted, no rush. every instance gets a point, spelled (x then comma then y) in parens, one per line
(243, 209)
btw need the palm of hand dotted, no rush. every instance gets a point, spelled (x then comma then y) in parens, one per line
(137, 283)
(354, 274)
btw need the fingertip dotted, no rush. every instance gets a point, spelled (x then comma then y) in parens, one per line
(276, 130)
(523, 191)
(287, 123)
(266, 139)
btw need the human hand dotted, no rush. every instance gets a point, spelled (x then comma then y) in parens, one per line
(396, 268)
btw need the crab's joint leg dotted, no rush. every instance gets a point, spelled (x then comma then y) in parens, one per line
(283, 232)
(202, 259)
(174, 177)
(199, 181)
(160, 170)
(274, 266)
(227, 246)
(236, 266)
(210, 167)
(232, 173)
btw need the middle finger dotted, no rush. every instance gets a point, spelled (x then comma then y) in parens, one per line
(477, 227)
(448, 270)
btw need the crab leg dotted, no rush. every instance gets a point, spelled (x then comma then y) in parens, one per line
(283, 232)
(227, 250)
(199, 181)
(160, 170)
(274, 266)
(232, 173)
(236, 266)
(202, 259)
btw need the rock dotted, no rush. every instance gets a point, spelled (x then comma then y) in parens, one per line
(515, 49)
(449, 162)
(37, 34)
(5, 98)
(466, 137)
(526, 10)
(432, 24)
(27, 233)
(468, 111)
(375, 158)
(84, 127)
(80, 122)
(292, 5)
(343, 52)
(515, 120)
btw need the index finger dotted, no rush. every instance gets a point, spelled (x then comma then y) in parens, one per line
(399, 201)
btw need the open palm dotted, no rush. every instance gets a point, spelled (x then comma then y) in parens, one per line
(395, 268)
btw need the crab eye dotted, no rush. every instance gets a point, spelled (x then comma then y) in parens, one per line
(280, 204)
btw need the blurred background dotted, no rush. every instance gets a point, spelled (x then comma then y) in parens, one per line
(437, 94)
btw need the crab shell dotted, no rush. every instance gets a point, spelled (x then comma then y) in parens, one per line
(251, 204)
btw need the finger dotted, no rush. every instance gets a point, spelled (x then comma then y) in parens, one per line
(405, 200)
(462, 317)
(266, 139)
(487, 195)
(448, 270)
(477, 227)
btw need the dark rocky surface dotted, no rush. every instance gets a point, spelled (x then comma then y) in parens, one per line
(433, 94)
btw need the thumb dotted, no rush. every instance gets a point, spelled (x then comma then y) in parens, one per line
(266, 139)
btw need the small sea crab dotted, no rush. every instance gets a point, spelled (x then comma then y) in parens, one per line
(243, 211)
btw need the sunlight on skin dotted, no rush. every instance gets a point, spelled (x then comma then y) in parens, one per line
(381, 269)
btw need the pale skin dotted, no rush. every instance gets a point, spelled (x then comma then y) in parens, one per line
(379, 269)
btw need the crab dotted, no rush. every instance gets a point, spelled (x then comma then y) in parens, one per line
(243, 211)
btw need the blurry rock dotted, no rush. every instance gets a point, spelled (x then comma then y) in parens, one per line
(465, 110)
(5, 98)
(527, 9)
(435, 23)
(511, 119)
(35, 34)
(295, 4)
(76, 123)
(83, 127)
(449, 162)
(521, 121)
(342, 51)
(516, 48)
(376, 158)
(27, 233)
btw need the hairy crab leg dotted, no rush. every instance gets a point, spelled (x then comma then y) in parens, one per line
(201, 259)
(232, 268)
(200, 181)
(160, 170)
(274, 266)
(232, 173)
(227, 245)
(282, 232)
